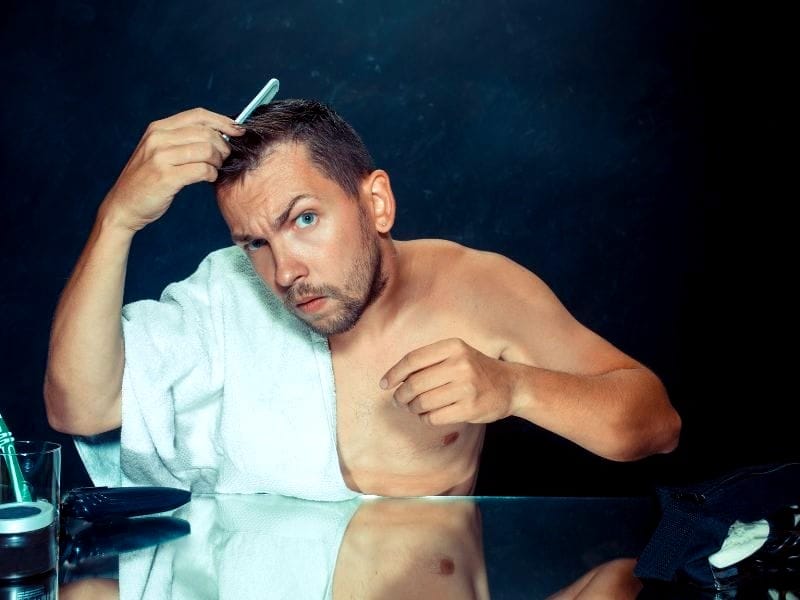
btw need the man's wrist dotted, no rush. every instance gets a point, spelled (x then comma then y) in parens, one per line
(113, 222)
(521, 376)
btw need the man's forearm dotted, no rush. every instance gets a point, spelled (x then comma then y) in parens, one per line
(621, 415)
(86, 358)
(85, 365)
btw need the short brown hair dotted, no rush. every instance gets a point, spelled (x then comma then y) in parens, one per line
(332, 144)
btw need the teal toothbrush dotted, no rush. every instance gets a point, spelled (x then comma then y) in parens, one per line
(9, 453)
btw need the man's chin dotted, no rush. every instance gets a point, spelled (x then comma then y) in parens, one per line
(327, 326)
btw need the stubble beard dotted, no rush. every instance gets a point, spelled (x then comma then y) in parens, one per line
(364, 284)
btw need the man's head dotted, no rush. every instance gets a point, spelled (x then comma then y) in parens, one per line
(333, 145)
(300, 194)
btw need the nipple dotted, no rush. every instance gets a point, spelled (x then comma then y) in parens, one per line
(447, 566)
(441, 564)
(449, 438)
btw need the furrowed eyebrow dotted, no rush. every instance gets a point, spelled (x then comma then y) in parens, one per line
(244, 238)
(284, 216)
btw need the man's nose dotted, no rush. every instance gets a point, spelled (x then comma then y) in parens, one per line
(288, 268)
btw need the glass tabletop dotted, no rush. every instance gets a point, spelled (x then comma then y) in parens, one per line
(261, 546)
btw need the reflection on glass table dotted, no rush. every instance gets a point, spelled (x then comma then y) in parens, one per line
(262, 546)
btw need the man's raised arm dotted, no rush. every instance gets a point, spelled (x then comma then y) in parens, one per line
(83, 380)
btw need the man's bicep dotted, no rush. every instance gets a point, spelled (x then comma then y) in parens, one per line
(538, 329)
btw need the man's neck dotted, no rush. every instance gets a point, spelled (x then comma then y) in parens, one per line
(384, 310)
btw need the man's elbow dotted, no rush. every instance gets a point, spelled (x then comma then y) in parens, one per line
(652, 426)
(664, 432)
(673, 434)
(633, 443)
(54, 404)
(65, 415)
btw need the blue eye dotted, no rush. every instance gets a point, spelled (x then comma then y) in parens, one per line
(305, 220)
(254, 245)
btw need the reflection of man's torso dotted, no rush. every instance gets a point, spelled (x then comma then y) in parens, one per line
(393, 549)
(385, 449)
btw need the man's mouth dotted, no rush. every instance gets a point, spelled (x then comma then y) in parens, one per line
(310, 304)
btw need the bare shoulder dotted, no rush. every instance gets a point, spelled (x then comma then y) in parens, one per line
(514, 307)
(535, 326)
(434, 250)
(479, 273)
(488, 288)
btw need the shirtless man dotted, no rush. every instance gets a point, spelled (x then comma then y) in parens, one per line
(429, 340)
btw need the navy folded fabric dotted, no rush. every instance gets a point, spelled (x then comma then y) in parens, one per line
(695, 519)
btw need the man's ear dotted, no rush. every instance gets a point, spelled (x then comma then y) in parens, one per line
(377, 190)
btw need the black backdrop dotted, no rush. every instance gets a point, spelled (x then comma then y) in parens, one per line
(627, 152)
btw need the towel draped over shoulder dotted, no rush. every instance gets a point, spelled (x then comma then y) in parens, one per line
(224, 391)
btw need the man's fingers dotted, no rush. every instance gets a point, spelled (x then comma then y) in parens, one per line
(452, 414)
(199, 116)
(434, 399)
(418, 359)
(422, 381)
(195, 172)
(163, 138)
(198, 152)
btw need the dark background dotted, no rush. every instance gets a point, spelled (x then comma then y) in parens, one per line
(629, 153)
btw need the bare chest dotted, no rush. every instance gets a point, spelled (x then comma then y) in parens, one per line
(385, 448)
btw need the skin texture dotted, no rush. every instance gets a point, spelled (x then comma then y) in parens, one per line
(90, 589)
(430, 340)
(613, 579)
(412, 548)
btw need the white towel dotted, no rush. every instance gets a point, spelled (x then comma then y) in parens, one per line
(224, 391)
(255, 546)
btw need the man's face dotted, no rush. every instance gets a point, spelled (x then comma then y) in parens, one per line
(311, 243)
